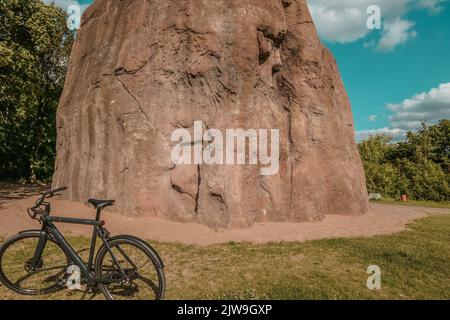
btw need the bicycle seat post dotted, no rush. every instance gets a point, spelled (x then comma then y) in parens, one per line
(97, 216)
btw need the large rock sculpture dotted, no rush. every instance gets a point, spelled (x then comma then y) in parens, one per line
(141, 69)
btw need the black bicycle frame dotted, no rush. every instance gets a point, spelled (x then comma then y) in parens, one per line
(48, 228)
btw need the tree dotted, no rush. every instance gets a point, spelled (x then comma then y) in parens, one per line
(418, 167)
(35, 45)
(381, 175)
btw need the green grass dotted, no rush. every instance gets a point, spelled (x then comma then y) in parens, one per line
(421, 203)
(414, 265)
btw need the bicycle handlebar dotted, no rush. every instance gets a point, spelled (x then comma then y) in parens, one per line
(52, 192)
(49, 194)
(40, 201)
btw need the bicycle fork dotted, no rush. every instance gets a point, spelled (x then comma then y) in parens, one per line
(39, 250)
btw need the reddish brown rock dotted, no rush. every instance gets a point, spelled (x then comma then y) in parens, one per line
(143, 68)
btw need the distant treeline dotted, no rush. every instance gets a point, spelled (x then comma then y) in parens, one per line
(418, 167)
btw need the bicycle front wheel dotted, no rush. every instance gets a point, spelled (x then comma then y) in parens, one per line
(132, 268)
(17, 273)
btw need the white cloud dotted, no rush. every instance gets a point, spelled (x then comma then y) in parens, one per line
(426, 107)
(345, 21)
(329, 22)
(396, 134)
(396, 33)
(372, 118)
(433, 6)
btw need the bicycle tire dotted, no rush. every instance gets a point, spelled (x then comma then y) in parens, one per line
(22, 261)
(104, 269)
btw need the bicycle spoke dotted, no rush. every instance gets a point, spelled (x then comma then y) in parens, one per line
(125, 256)
(17, 269)
(142, 280)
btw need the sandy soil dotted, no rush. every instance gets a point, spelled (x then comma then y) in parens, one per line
(382, 219)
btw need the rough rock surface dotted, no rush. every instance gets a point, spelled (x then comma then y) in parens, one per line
(143, 68)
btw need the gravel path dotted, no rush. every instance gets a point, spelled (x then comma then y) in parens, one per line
(381, 219)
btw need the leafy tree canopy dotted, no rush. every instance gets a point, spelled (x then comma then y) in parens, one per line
(35, 45)
(418, 167)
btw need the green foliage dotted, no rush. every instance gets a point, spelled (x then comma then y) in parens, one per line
(35, 45)
(418, 167)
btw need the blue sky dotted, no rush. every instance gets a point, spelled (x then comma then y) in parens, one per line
(396, 76)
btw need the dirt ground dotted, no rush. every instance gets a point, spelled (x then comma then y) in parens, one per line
(381, 219)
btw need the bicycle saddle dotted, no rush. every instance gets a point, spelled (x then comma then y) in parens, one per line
(101, 203)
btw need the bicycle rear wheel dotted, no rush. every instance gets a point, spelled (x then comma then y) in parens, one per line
(16, 256)
(141, 265)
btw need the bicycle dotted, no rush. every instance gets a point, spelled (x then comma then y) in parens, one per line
(35, 262)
